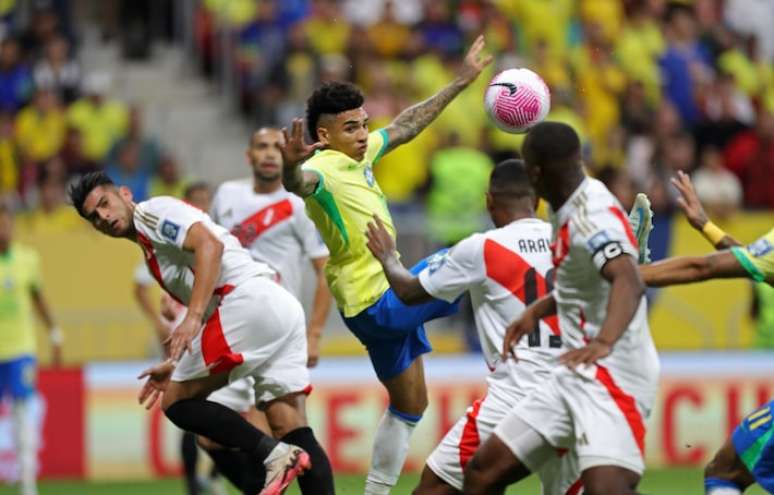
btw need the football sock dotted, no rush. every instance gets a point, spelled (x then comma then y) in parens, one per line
(319, 479)
(190, 455)
(717, 486)
(26, 446)
(224, 426)
(239, 469)
(391, 444)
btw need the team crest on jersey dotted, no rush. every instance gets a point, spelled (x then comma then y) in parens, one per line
(170, 230)
(436, 261)
(369, 175)
(598, 240)
(759, 248)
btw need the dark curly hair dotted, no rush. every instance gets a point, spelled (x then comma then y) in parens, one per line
(331, 98)
(87, 183)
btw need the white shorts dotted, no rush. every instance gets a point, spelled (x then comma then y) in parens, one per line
(450, 457)
(590, 414)
(238, 396)
(258, 330)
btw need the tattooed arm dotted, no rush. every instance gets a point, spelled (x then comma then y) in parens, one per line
(414, 119)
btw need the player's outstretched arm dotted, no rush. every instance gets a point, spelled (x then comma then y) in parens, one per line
(208, 252)
(294, 152)
(381, 244)
(694, 212)
(625, 294)
(414, 119)
(54, 332)
(688, 269)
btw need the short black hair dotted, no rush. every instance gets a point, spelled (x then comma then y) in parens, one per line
(551, 144)
(194, 187)
(331, 98)
(509, 178)
(674, 9)
(87, 183)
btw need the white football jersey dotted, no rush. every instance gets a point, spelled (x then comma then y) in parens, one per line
(504, 270)
(273, 227)
(162, 224)
(590, 229)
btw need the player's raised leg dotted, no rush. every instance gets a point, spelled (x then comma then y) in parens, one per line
(726, 474)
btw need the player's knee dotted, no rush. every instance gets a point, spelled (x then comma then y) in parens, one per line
(607, 486)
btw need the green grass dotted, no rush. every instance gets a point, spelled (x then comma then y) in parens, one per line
(655, 482)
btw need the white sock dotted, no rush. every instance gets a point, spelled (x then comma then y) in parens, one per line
(724, 490)
(391, 444)
(26, 446)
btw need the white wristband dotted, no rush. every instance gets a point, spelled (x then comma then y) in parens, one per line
(55, 335)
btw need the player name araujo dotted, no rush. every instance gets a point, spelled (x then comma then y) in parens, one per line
(534, 245)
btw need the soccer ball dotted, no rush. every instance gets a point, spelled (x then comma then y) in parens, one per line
(517, 99)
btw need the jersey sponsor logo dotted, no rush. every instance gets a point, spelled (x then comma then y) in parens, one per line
(170, 230)
(368, 173)
(759, 248)
(436, 261)
(249, 229)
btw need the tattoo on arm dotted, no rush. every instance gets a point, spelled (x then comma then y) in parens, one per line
(299, 182)
(415, 118)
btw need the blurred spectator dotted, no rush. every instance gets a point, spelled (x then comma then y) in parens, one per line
(368, 12)
(750, 155)
(389, 37)
(459, 177)
(639, 47)
(718, 189)
(44, 27)
(16, 83)
(325, 29)
(100, 120)
(52, 213)
(150, 153)
(72, 156)
(58, 71)
(685, 63)
(620, 184)
(439, 32)
(168, 180)
(753, 17)
(127, 171)
(531, 18)
(41, 127)
(9, 158)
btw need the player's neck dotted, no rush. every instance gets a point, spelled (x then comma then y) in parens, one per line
(508, 217)
(266, 187)
(561, 192)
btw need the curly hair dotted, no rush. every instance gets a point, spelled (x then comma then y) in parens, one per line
(331, 98)
(87, 183)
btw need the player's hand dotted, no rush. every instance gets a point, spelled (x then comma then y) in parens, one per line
(294, 149)
(515, 331)
(689, 201)
(312, 348)
(474, 61)
(181, 337)
(380, 242)
(590, 354)
(158, 379)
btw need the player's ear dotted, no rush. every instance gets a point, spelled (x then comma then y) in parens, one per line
(323, 136)
(125, 193)
(489, 202)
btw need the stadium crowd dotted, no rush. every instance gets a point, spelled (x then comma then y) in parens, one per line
(652, 86)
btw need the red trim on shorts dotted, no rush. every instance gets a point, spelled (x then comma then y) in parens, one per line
(509, 270)
(575, 488)
(625, 223)
(308, 390)
(215, 348)
(627, 406)
(470, 439)
(249, 229)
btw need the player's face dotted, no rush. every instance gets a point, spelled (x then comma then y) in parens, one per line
(535, 177)
(109, 210)
(346, 132)
(200, 198)
(265, 154)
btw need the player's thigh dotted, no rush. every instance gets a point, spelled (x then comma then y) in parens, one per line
(197, 388)
(258, 419)
(493, 467)
(609, 480)
(431, 484)
(286, 413)
(408, 390)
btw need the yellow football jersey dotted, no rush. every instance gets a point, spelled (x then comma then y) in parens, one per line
(346, 199)
(19, 273)
(758, 258)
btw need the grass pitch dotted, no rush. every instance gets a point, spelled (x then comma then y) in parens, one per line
(655, 482)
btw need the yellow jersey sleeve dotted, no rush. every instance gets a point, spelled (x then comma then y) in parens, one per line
(758, 258)
(377, 145)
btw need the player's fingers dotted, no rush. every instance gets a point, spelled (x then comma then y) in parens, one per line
(154, 397)
(682, 204)
(486, 61)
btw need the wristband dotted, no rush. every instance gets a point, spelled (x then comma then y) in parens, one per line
(712, 233)
(55, 335)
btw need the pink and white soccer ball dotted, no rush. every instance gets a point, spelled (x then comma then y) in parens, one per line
(517, 99)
